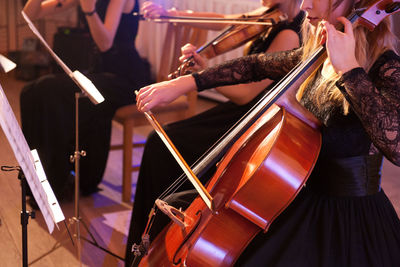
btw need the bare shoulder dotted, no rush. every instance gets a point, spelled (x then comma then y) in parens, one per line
(285, 40)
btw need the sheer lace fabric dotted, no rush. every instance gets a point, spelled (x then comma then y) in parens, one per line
(248, 69)
(373, 120)
(375, 98)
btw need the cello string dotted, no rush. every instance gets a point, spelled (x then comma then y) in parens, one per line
(182, 179)
(179, 182)
(262, 104)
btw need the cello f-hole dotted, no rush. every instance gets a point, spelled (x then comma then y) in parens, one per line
(177, 262)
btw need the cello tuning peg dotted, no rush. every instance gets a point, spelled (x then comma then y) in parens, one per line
(393, 7)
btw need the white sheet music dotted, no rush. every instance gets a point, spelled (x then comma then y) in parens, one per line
(47, 202)
(5, 64)
(56, 213)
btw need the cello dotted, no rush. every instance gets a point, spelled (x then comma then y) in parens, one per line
(258, 165)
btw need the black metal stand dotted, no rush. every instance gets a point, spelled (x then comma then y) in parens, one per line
(24, 214)
(76, 219)
(24, 219)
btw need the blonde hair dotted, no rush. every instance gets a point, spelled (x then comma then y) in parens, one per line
(369, 46)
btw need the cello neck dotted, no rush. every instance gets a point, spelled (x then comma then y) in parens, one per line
(284, 92)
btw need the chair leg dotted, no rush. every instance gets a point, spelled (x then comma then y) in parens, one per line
(127, 161)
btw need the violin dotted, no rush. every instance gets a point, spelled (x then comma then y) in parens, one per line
(233, 37)
(250, 189)
(244, 20)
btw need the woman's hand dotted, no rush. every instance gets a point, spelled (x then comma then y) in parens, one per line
(87, 5)
(189, 50)
(163, 93)
(340, 46)
(152, 11)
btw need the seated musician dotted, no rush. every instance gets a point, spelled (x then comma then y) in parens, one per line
(48, 104)
(342, 217)
(192, 137)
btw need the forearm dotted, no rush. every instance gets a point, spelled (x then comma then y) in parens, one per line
(35, 9)
(101, 36)
(248, 69)
(103, 33)
(378, 109)
(164, 92)
(242, 94)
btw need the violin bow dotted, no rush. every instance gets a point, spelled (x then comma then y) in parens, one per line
(178, 19)
(208, 200)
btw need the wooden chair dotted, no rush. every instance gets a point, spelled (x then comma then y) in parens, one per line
(185, 106)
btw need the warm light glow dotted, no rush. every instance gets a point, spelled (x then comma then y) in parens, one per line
(283, 172)
(88, 87)
(208, 248)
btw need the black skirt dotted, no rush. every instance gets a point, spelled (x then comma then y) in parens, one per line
(322, 230)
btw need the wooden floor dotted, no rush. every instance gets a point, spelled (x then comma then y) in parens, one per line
(103, 213)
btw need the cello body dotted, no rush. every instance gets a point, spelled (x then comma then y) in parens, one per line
(256, 180)
(258, 177)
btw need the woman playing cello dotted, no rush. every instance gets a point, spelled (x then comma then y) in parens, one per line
(342, 217)
(158, 169)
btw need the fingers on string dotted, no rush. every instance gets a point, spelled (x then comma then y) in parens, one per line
(348, 27)
(152, 11)
(187, 51)
(140, 97)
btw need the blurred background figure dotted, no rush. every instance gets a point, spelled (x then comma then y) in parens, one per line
(47, 104)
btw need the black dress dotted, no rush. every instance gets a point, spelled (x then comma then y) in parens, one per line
(48, 107)
(158, 169)
(342, 217)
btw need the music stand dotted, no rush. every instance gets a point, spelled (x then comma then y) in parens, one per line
(87, 89)
(30, 171)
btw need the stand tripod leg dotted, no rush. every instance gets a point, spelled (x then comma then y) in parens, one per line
(24, 219)
(94, 242)
(24, 214)
(24, 224)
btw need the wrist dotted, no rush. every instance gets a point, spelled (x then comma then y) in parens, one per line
(173, 12)
(188, 83)
(90, 13)
(348, 68)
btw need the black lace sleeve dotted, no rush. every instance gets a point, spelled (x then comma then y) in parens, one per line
(248, 69)
(375, 99)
